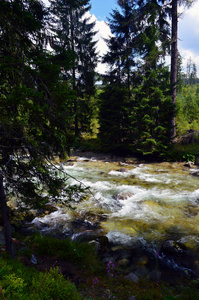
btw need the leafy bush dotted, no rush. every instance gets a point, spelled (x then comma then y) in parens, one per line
(53, 285)
(25, 283)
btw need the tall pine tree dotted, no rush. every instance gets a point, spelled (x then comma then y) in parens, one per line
(115, 101)
(73, 34)
(153, 108)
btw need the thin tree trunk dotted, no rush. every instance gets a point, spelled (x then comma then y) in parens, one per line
(174, 58)
(6, 221)
(74, 75)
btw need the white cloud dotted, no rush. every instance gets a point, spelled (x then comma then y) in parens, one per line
(189, 34)
(103, 32)
(46, 2)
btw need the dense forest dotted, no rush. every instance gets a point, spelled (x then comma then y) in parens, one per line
(49, 97)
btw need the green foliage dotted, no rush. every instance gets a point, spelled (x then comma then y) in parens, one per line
(74, 34)
(82, 254)
(52, 285)
(187, 111)
(183, 152)
(37, 114)
(135, 107)
(24, 283)
(189, 157)
(113, 116)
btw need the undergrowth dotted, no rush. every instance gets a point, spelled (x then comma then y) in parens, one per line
(99, 280)
(21, 282)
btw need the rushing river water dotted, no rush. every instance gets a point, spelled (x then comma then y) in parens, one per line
(145, 203)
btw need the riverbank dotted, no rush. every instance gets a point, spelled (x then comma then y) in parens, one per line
(132, 211)
(108, 157)
(179, 150)
(47, 268)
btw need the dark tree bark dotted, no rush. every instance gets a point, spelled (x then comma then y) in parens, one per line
(6, 221)
(174, 57)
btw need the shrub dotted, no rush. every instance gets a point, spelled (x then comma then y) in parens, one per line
(53, 285)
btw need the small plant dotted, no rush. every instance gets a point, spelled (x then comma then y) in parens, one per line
(189, 157)
(110, 267)
(95, 283)
(14, 286)
(95, 280)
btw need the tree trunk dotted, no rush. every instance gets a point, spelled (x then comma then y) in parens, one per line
(174, 58)
(6, 221)
(74, 74)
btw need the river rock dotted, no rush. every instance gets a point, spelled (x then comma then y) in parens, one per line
(95, 218)
(103, 243)
(33, 260)
(85, 236)
(197, 160)
(37, 224)
(143, 260)
(132, 277)
(84, 224)
(132, 298)
(192, 210)
(155, 275)
(177, 254)
(46, 210)
(123, 262)
(122, 170)
(141, 271)
(71, 161)
(123, 196)
(189, 164)
(194, 173)
(171, 248)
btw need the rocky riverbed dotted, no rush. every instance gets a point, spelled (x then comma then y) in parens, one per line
(144, 217)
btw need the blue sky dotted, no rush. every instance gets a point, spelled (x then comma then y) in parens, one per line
(102, 8)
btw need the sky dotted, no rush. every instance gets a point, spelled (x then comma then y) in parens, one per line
(188, 30)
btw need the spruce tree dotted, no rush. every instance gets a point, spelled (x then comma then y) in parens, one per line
(73, 34)
(35, 107)
(124, 26)
(152, 101)
(115, 101)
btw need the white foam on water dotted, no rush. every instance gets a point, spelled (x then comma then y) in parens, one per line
(194, 197)
(99, 185)
(143, 173)
(191, 239)
(82, 158)
(118, 173)
(162, 197)
(53, 219)
(194, 170)
(116, 236)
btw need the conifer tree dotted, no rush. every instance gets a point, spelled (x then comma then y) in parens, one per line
(173, 12)
(35, 110)
(152, 101)
(115, 101)
(73, 33)
(124, 26)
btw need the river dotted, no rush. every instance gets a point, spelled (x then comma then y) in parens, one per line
(153, 205)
